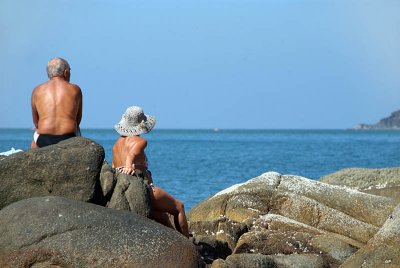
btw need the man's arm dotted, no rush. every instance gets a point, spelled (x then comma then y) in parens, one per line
(79, 114)
(35, 114)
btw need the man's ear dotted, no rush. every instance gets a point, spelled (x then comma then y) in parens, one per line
(67, 74)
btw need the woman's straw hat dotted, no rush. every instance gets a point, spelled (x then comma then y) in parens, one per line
(135, 122)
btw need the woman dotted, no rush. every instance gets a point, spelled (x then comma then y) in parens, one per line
(129, 156)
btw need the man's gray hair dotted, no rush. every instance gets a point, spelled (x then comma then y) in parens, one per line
(56, 67)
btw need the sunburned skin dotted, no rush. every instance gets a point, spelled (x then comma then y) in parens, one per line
(128, 155)
(57, 105)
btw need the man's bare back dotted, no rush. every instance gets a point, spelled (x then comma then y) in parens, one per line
(57, 104)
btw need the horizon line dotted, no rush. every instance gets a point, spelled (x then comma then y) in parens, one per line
(212, 129)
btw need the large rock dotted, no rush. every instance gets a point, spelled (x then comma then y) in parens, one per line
(274, 261)
(70, 168)
(312, 202)
(108, 180)
(379, 181)
(246, 260)
(60, 232)
(125, 192)
(318, 215)
(273, 234)
(336, 212)
(131, 193)
(383, 250)
(281, 223)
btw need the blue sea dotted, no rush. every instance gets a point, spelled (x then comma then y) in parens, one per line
(194, 164)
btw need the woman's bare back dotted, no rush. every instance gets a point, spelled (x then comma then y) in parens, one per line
(128, 151)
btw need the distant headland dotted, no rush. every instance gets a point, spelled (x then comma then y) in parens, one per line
(391, 122)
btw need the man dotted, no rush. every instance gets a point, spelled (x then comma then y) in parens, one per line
(56, 106)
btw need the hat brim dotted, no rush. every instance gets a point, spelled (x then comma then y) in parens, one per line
(146, 127)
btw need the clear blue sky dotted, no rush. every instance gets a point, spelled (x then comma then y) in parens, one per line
(206, 64)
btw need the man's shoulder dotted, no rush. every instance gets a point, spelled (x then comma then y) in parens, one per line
(39, 87)
(74, 85)
(66, 88)
(75, 88)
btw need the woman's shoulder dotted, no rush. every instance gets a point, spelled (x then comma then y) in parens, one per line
(136, 140)
(119, 141)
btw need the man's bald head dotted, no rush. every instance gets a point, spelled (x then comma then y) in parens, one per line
(56, 67)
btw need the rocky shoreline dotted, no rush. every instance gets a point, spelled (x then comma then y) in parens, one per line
(63, 206)
(290, 221)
